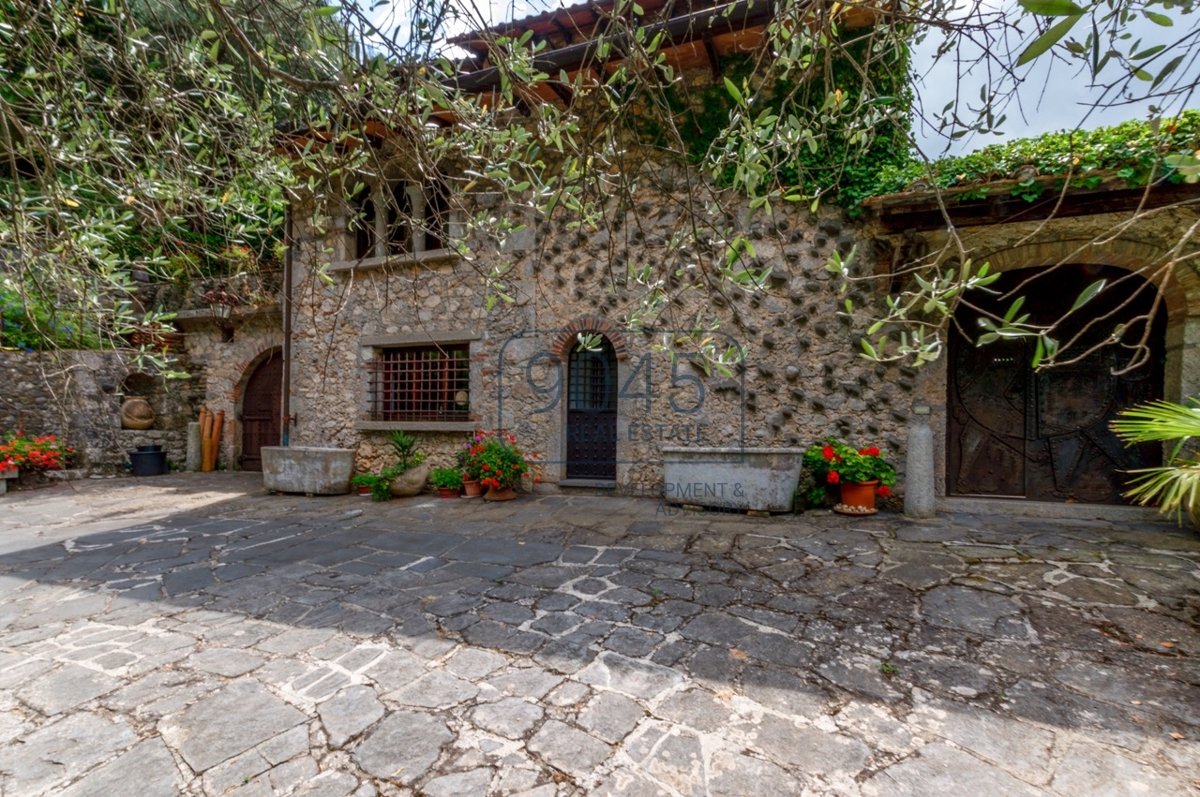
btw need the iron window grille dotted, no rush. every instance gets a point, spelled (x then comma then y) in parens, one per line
(400, 218)
(421, 383)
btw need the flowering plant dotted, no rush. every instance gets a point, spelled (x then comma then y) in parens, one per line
(495, 460)
(832, 462)
(34, 453)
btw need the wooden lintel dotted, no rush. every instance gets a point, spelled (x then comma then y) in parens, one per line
(923, 213)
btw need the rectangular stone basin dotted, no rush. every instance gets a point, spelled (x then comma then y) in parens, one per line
(762, 479)
(307, 469)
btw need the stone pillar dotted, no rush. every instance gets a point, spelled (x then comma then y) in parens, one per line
(193, 446)
(1182, 378)
(920, 500)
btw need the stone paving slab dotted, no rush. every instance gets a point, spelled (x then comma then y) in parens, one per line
(192, 635)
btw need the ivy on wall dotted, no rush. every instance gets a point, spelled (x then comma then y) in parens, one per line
(831, 164)
(1137, 152)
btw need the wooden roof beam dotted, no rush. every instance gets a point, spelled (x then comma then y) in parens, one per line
(727, 17)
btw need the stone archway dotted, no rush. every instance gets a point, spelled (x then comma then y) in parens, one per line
(260, 407)
(1043, 435)
(592, 387)
(1179, 288)
(565, 341)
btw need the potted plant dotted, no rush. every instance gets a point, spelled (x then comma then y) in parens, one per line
(378, 485)
(19, 452)
(860, 473)
(411, 470)
(469, 467)
(500, 464)
(448, 481)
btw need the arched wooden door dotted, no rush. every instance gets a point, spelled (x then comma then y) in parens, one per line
(592, 412)
(261, 402)
(1044, 435)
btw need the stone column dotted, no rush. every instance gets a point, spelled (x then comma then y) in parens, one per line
(920, 500)
(1182, 378)
(193, 447)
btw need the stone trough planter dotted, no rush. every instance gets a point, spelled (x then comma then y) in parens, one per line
(759, 479)
(5, 475)
(307, 469)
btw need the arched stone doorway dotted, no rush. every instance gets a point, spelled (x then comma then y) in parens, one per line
(261, 402)
(1044, 436)
(592, 409)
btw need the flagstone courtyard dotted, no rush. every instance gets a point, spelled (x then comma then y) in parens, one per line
(192, 634)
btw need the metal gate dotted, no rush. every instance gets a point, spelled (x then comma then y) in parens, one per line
(592, 412)
(261, 410)
(1045, 436)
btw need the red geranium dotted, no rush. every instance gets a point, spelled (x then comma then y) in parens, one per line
(39, 453)
(883, 491)
(828, 453)
(832, 477)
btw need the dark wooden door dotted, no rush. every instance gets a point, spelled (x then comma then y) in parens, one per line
(261, 410)
(592, 412)
(1044, 435)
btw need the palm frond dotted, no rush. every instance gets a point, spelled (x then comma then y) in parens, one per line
(1175, 488)
(1157, 421)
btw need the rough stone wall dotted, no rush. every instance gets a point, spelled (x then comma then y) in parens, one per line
(77, 395)
(225, 365)
(801, 379)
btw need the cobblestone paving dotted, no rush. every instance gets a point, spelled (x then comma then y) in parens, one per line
(191, 635)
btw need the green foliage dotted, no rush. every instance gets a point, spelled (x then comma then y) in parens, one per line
(380, 484)
(1136, 152)
(405, 446)
(32, 322)
(832, 462)
(447, 478)
(133, 137)
(1175, 486)
(795, 141)
(495, 459)
(34, 453)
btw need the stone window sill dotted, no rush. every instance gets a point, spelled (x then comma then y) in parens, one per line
(416, 426)
(416, 258)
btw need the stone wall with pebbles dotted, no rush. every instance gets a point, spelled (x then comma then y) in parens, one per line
(801, 379)
(77, 395)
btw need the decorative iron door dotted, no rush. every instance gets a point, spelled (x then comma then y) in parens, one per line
(1044, 435)
(592, 412)
(261, 424)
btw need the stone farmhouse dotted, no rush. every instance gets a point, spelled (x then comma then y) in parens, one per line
(387, 327)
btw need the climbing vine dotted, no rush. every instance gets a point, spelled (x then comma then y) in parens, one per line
(1136, 152)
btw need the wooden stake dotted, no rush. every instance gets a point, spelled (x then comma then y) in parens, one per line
(205, 438)
(218, 428)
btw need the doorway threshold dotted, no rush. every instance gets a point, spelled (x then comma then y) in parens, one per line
(1047, 509)
(591, 484)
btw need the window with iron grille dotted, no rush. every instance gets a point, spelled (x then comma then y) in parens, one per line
(421, 383)
(400, 218)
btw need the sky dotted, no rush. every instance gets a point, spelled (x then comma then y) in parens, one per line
(1052, 95)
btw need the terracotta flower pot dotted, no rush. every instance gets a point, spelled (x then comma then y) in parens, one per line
(471, 488)
(447, 492)
(859, 493)
(136, 413)
(501, 494)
